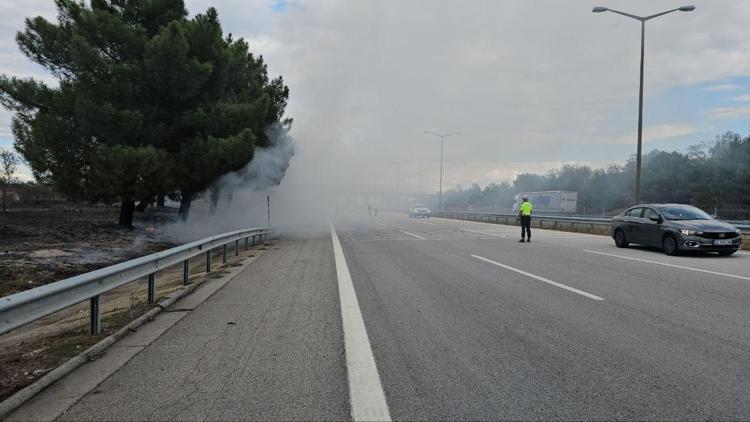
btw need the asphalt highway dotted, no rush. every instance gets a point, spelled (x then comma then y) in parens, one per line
(390, 317)
(466, 323)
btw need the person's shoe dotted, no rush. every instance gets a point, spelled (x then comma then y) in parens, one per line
(522, 240)
(529, 240)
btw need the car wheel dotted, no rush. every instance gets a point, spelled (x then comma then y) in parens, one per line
(620, 240)
(669, 245)
(727, 253)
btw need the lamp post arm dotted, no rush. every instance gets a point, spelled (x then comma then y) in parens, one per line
(660, 14)
(636, 17)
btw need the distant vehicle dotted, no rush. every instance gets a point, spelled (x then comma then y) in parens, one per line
(674, 228)
(419, 210)
(550, 202)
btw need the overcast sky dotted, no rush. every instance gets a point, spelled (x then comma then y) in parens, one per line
(529, 84)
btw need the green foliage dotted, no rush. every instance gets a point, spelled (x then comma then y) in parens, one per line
(149, 102)
(711, 174)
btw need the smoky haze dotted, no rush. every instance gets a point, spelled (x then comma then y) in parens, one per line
(530, 85)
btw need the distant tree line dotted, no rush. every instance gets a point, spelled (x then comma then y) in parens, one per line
(148, 103)
(711, 175)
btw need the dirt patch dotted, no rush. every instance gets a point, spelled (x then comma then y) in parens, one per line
(23, 363)
(29, 352)
(42, 245)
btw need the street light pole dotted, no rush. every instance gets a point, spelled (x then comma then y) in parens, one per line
(643, 20)
(442, 141)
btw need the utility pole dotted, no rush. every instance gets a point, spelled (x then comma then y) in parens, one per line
(442, 142)
(643, 20)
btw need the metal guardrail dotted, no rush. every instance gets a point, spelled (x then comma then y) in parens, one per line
(594, 221)
(22, 308)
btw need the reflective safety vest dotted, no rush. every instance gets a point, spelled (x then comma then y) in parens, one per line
(525, 208)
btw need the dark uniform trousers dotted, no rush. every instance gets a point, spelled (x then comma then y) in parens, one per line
(525, 226)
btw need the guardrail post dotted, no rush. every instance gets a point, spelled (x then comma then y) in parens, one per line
(224, 254)
(237, 247)
(246, 243)
(253, 240)
(186, 272)
(208, 261)
(151, 288)
(95, 316)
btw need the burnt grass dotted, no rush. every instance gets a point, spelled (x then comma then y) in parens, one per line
(40, 245)
(51, 243)
(22, 364)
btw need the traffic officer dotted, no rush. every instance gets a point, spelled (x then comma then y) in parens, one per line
(524, 211)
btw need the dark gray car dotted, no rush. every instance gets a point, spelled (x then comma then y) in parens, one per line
(674, 228)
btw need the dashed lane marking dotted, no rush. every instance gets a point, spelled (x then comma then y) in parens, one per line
(536, 277)
(487, 233)
(365, 390)
(412, 234)
(682, 267)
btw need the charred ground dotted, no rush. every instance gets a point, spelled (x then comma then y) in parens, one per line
(39, 245)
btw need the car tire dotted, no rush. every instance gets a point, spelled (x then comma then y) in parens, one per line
(620, 240)
(727, 253)
(669, 245)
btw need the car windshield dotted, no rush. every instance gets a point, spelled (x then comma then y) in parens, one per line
(684, 213)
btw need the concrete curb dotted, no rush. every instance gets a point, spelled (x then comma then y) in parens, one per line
(92, 353)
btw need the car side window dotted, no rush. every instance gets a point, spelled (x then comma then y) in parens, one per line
(649, 213)
(635, 212)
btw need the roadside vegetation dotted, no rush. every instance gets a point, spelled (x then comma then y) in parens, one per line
(714, 176)
(148, 103)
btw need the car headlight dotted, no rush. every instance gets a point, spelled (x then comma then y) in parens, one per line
(690, 232)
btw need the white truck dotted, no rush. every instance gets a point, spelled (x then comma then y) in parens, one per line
(550, 202)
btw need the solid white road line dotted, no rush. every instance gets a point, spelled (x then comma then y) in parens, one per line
(536, 277)
(487, 233)
(378, 222)
(365, 391)
(412, 234)
(427, 222)
(669, 265)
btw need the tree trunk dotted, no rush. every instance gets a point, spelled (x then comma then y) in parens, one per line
(5, 193)
(230, 196)
(187, 198)
(142, 206)
(215, 193)
(160, 201)
(127, 209)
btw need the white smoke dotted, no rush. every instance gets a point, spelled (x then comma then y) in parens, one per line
(242, 195)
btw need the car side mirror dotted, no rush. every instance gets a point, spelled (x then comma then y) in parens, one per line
(655, 219)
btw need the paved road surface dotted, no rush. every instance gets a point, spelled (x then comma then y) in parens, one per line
(463, 323)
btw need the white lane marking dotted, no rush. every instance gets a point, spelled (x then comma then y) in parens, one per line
(487, 233)
(412, 234)
(682, 267)
(536, 277)
(427, 222)
(544, 231)
(378, 222)
(365, 391)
